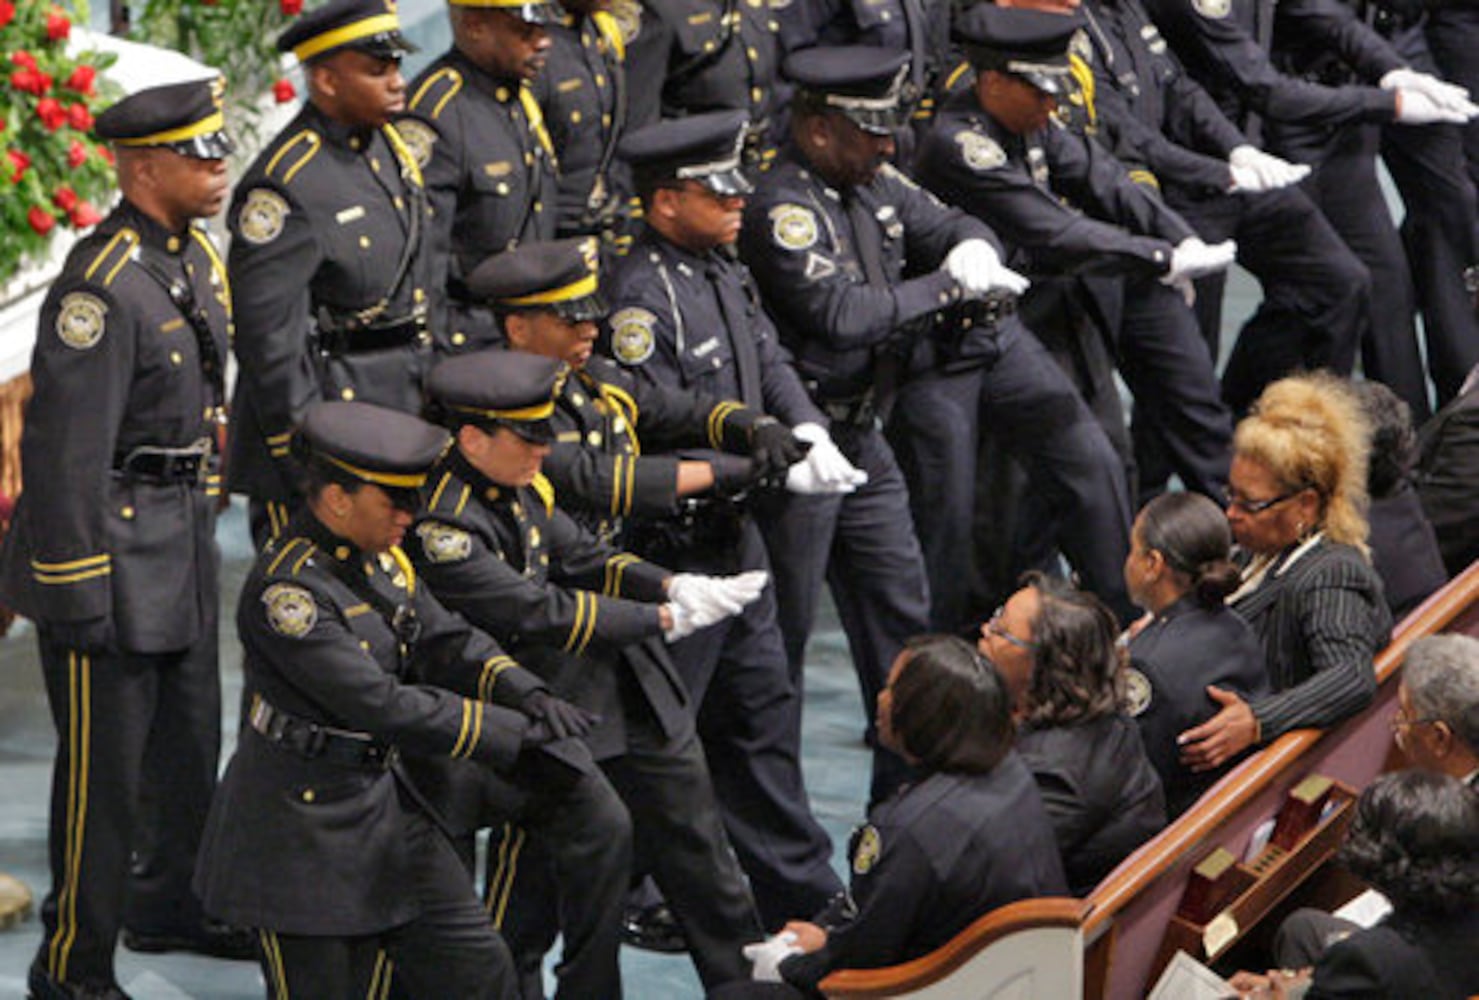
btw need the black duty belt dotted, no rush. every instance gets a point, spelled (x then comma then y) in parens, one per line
(318, 742)
(339, 341)
(190, 464)
(859, 413)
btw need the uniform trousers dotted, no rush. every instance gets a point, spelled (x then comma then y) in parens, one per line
(749, 719)
(126, 722)
(1453, 38)
(1038, 417)
(449, 950)
(865, 547)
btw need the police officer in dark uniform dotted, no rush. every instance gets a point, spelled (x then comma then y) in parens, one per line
(584, 93)
(329, 265)
(112, 549)
(711, 55)
(588, 618)
(1161, 124)
(319, 838)
(478, 133)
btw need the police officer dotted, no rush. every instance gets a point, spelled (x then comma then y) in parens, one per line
(329, 267)
(1170, 133)
(710, 55)
(588, 618)
(479, 135)
(583, 91)
(112, 550)
(318, 837)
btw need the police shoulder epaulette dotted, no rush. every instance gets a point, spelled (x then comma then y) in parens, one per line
(546, 491)
(434, 93)
(291, 555)
(449, 496)
(108, 261)
(293, 155)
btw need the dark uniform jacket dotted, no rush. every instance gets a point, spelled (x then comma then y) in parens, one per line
(1322, 617)
(1021, 184)
(711, 55)
(1101, 794)
(932, 859)
(580, 614)
(117, 366)
(330, 273)
(307, 843)
(812, 265)
(1402, 960)
(583, 91)
(1448, 478)
(1183, 650)
(1404, 550)
(490, 172)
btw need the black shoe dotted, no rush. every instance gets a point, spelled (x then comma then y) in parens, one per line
(653, 928)
(42, 986)
(216, 940)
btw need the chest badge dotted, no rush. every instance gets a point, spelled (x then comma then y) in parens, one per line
(1214, 10)
(79, 323)
(291, 610)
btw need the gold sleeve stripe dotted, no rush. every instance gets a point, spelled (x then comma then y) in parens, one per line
(717, 416)
(615, 567)
(277, 977)
(499, 906)
(51, 579)
(62, 567)
(447, 73)
(218, 266)
(283, 554)
(1145, 177)
(575, 626)
(489, 679)
(593, 608)
(279, 438)
(456, 750)
(477, 729)
(307, 137)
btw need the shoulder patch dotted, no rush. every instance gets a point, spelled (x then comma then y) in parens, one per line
(632, 337)
(262, 216)
(79, 321)
(1214, 10)
(443, 543)
(291, 609)
(793, 226)
(869, 847)
(980, 152)
(1138, 692)
(432, 96)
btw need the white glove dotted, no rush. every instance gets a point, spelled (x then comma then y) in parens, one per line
(1255, 170)
(1442, 93)
(700, 601)
(824, 469)
(1416, 108)
(978, 270)
(767, 956)
(1194, 259)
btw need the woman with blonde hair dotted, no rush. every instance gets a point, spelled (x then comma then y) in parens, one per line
(1296, 503)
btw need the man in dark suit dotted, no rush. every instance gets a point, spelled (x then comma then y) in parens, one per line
(1448, 476)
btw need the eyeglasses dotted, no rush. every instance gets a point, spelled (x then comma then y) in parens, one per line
(993, 627)
(1233, 501)
(1400, 721)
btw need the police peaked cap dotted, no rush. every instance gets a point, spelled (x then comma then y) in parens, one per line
(498, 388)
(185, 117)
(704, 148)
(1032, 44)
(862, 82)
(533, 11)
(560, 275)
(372, 26)
(371, 444)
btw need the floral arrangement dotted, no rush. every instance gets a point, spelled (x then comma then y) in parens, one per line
(52, 172)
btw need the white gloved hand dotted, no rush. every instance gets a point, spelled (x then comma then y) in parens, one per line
(1416, 108)
(1254, 170)
(700, 601)
(766, 956)
(1194, 259)
(978, 270)
(1444, 94)
(685, 623)
(824, 469)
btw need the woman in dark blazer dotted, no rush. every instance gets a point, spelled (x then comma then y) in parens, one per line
(1178, 570)
(1056, 648)
(1296, 503)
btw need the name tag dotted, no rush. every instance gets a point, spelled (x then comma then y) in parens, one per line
(707, 347)
(349, 215)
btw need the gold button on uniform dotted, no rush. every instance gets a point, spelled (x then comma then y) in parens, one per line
(175, 357)
(575, 116)
(308, 795)
(755, 94)
(364, 242)
(172, 244)
(458, 339)
(346, 393)
(594, 439)
(127, 513)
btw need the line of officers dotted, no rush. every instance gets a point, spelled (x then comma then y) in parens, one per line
(573, 607)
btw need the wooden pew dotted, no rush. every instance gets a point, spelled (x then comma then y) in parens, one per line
(1117, 933)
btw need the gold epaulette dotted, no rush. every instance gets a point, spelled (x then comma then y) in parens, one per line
(546, 491)
(292, 555)
(449, 496)
(293, 155)
(432, 96)
(110, 260)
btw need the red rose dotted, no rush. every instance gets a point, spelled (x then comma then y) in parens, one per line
(20, 162)
(30, 81)
(23, 59)
(85, 215)
(79, 117)
(283, 91)
(40, 219)
(106, 154)
(57, 25)
(76, 154)
(53, 116)
(65, 199)
(82, 79)
(291, 7)
(7, 12)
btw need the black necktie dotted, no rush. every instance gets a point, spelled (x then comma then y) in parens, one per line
(741, 337)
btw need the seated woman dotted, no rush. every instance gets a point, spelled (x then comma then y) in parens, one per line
(969, 836)
(1415, 839)
(1055, 646)
(1295, 497)
(1178, 570)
